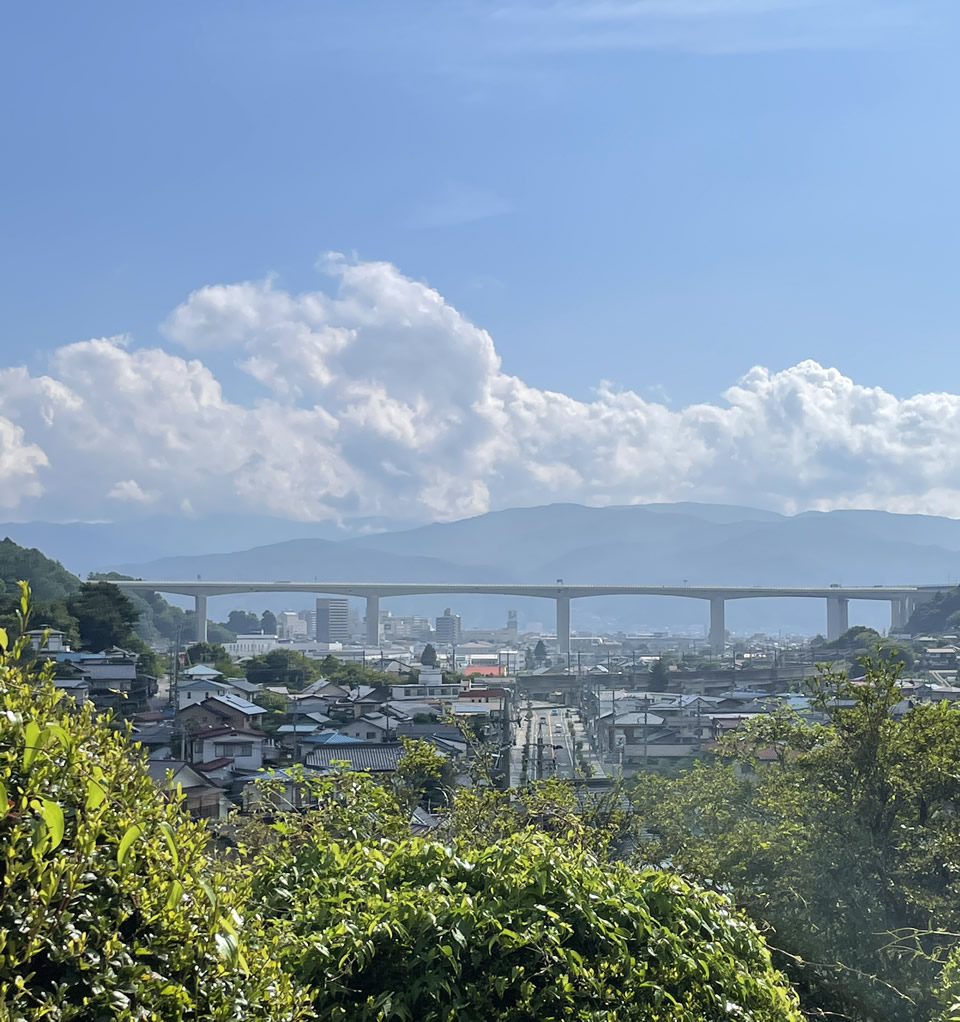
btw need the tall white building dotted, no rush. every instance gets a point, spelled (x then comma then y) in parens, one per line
(333, 620)
(448, 628)
(291, 626)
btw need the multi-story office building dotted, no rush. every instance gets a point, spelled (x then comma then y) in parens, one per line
(333, 620)
(448, 628)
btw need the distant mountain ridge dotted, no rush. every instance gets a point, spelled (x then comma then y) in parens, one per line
(666, 544)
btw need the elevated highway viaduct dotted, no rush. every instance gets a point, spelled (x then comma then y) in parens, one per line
(902, 599)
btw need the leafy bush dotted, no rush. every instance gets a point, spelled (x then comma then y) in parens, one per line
(111, 908)
(523, 929)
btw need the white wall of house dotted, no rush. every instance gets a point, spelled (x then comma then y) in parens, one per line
(246, 751)
(188, 694)
(365, 730)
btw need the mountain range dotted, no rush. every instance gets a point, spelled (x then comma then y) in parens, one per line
(652, 543)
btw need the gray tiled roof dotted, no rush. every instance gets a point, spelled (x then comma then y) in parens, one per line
(375, 756)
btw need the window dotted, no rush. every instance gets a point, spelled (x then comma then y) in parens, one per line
(232, 750)
(371, 734)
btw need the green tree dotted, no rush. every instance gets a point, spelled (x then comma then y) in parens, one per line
(424, 776)
(429, 656)
(112, 907)
(529, 661)
(540, 652)
(268, 623)
(525, 928)
(659, 676)
(206, 653)
(836, 851)
(105, 616)
(242, 622)
(283, 667)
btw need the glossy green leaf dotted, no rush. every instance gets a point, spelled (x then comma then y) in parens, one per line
(130, 835)
(53, 818)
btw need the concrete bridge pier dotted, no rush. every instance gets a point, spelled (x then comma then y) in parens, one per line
(563, 624)
(898, 615)
(200, 609)
(718, 626)
(838, 616)
(373, 620)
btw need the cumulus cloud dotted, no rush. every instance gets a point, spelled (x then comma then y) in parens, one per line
(377, 397)
(129, 490)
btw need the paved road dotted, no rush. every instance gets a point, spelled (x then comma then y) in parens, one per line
(552, 725)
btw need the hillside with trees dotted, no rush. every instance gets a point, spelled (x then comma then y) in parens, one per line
(939, 615)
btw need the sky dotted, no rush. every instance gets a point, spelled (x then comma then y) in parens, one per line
(338, 260)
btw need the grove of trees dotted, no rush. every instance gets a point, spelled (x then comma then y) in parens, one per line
(844, 850)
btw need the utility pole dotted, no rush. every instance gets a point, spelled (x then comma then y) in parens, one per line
(540, 750)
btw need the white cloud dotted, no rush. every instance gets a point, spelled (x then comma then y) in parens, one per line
(380, 398)
(129, 490)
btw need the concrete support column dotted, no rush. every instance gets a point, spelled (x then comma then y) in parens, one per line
(898, 615)
(563, 623)
(838, 618)
(373, 620)
(200, 609)
(718, 626)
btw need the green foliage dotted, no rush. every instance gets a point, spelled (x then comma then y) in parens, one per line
(350, 675)
(105, 616)
(111, 906)
(242, 622)
(845, 846)
(158, 620)
(424, 776)
(206, 653)
(283, 667)
(540, 652)
(936, 615)
(659, 676)
(268, 623)
(525, 928)
(48, 579)
(429, 656)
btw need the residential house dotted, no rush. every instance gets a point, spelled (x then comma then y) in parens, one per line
(76, 686)
(275, 790)
(222, 710)
(202, 672)
(202, 799)
(195, 690)
(374, 757)
(243, 747)
(371, 727)
(483, 695)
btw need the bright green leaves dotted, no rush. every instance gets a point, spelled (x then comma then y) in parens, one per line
(526, 927)
(96, 792)
(126, 842)
(33, 742)
(53, 818)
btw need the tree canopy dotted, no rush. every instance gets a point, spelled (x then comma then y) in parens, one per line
(429, 656)
(843, 847)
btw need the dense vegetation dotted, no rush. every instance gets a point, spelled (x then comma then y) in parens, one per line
(117, 906)
(846, 850)
(939, 615)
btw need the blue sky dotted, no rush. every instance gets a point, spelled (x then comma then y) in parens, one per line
(657, 193)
